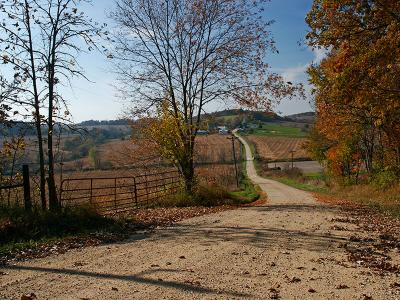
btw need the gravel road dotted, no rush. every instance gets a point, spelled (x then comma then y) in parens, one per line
(286, 249)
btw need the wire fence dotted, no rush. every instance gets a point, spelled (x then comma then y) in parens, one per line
(17, 193)
(119, 193)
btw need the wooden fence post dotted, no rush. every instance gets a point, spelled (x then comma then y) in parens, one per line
(135, 191)
(115, 193)
(91, 191)
(27, 187)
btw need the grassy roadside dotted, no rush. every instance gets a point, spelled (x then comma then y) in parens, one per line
(248, 193)
(386, 201)
(301, 185)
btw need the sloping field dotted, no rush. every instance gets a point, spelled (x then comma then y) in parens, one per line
(278, 148)
(215, 148)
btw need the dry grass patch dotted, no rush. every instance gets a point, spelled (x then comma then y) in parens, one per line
(387, 200)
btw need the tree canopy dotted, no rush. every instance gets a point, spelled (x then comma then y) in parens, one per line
(357, 86)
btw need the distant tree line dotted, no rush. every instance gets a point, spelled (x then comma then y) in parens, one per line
(105, 122)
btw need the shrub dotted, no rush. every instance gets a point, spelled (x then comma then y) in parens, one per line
(179, 199)
(205, 195)
(211, 195)
(385, 179)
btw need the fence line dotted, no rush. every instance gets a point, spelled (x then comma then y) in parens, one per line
(119, 193)
(25, 184)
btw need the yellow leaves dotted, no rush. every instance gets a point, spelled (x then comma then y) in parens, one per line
(13, 145)
(169, 132)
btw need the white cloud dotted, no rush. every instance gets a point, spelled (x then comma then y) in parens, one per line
(319, 54)
(297, 74)
(294, 74)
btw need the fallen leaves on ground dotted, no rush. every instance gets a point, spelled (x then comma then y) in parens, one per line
(31, 296)
(153, 217)
(395, 285)
(342, 287)
(381, 235)
(295, 280)
(274, 293)
(41, 250)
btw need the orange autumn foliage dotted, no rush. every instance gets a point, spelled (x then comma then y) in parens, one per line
(357, 85)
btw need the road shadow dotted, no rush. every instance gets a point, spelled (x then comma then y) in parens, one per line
(262, 235)
(137, 278)
(256, 237)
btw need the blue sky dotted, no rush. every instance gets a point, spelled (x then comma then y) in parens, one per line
(97, 99)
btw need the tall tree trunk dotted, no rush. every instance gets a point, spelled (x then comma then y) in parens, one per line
(189, 178)
(187, 167)
(38, 121)
(42, 172)
(53, 202)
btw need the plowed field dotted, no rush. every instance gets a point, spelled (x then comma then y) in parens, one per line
(278, 148)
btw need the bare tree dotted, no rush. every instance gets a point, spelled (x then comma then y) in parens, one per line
(18, 52)
(42, 40)
(191, 53)
(65, 31)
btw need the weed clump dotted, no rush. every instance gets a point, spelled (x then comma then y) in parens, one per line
(210, 195)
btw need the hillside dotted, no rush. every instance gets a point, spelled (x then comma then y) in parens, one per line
(307, 117)
(248, 114)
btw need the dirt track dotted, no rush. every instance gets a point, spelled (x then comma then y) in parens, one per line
(284, 249)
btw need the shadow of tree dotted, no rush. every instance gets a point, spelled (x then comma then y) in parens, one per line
(131, 278)
(262, 237)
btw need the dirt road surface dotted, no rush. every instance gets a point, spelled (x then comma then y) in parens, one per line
(286, 249)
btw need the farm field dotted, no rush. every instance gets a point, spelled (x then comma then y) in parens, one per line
(214, 159)
(126, 159)
(214, 166)
(278, 148)
(216, 148)
(275, 130)
(122, 158)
